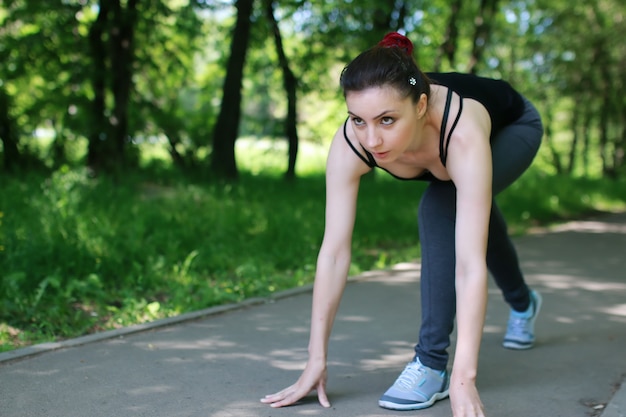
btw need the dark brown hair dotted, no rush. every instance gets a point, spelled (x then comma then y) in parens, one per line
(389, 63)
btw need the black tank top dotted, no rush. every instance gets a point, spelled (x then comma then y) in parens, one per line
(503, 103)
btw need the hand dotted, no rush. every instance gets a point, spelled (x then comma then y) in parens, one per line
(313, 378)
(464, 398)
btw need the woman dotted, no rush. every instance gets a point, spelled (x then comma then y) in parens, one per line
(470, 137)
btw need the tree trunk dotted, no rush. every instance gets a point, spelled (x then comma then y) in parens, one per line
(586, 132)
(290, 84)
(575, 139)
(604, 135)
(620, 145)
(482, 32)
(383, 17)
(602, 60)
(121, 40)
(8, 134)
(449, 46)
(223, 163)
(108, 138)
(556, 159)
(58, 145)
(401, 12)
(99, 137)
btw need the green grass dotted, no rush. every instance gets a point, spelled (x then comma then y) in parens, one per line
(80, 254)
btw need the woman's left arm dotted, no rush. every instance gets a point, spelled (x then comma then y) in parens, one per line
(470, 168)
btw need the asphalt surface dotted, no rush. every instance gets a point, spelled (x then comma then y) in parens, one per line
(220, 362)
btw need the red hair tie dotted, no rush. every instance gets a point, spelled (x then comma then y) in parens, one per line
(394, 39)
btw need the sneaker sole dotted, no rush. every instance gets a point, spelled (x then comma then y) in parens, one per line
(517, 345)
(416, 406)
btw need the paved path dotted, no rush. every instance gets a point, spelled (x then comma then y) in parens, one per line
(220, 364)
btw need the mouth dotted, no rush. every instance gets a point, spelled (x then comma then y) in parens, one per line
(380, 155)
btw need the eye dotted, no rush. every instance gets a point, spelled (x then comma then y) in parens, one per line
(358, 121)
(386, 120)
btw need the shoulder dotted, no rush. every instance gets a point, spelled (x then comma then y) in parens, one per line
(471, 135)
(475, 119)
(473, 116)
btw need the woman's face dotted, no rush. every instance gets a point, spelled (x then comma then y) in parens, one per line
(384, 123)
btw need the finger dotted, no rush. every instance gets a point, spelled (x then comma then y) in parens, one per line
(276, 402)
(285, 397)
(323, 398)
(270, 398)
(321, 394)
(288, 399)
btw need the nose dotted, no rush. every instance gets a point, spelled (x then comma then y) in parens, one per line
(372, 138)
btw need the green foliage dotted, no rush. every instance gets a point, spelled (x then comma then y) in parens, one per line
(48, 67)
(180, 49)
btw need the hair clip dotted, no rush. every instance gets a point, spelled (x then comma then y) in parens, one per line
(412, 81)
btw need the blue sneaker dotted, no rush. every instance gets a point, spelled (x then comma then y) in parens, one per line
(520, 331)
(417, 387)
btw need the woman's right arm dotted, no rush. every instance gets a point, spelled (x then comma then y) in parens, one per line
(343, 172)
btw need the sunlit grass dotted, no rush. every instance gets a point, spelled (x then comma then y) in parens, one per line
(269, 156)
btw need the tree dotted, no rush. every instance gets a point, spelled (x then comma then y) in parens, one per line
(482, 32)
(112, 44)
(42, 60)
(290, 84)
(223, 162)
(583, 82)
(8, 136)
(451, 37)
(167, 80)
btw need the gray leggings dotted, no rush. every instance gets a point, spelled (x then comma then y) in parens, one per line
(513, 150)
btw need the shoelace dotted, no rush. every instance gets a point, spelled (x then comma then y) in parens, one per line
(517, 325)
(408, 378)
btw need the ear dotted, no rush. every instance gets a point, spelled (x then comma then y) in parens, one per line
(422, 106)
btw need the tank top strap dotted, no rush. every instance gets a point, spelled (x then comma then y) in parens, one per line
(444, 140)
